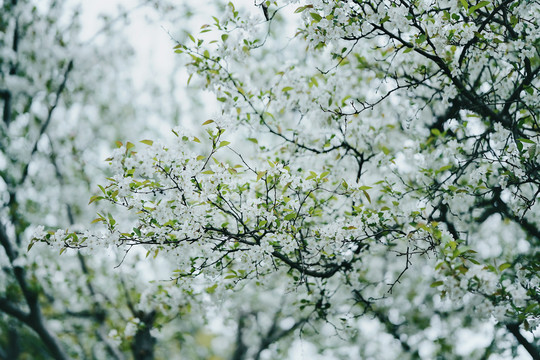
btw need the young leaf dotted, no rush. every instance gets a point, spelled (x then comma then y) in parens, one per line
(316, 16)
(260, 174)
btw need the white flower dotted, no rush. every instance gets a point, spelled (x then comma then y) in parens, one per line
(131, 327)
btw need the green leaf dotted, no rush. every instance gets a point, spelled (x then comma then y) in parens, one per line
(312, 175)
(207, 122)
(444, 168)
(266, 113)
(287, 88)
(95, 198)
(436, 283)
(253, 140)
(211, 289)
(316, 16)
(481, 4)
(260, 174)
(367, 196)
(147, 142)
(112, 221)
(422, 38)
(504, 266)
(224, 143)
(207, 172)
(290, 216)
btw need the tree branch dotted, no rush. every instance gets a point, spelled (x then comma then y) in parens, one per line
(531, 349)
(34, 319)
(45, 124)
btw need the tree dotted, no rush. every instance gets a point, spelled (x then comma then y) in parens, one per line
(60, 111)
(379, 161)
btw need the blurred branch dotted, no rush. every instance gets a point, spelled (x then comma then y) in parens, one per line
(98, 312)
(531, 348)
(275, 334)
(49, 116)
(34, 319)
(120, 16)
(6, 95)
(143, 342)
(240, 349)
(113, 349)
(7, 307)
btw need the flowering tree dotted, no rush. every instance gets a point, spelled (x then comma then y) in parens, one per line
(372, 158)
(61, 99)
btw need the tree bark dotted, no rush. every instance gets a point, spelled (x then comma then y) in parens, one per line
(143, 343)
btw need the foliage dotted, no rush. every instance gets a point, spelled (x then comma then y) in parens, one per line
(62, 97)
(380, 160)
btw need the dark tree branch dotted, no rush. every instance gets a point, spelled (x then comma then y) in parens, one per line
(275, 334)
(33, 319)
(143, 343)
(7, 307)
(240, 348)
(6, 95)
(47, 121)
(531, 348)
(391, 328)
